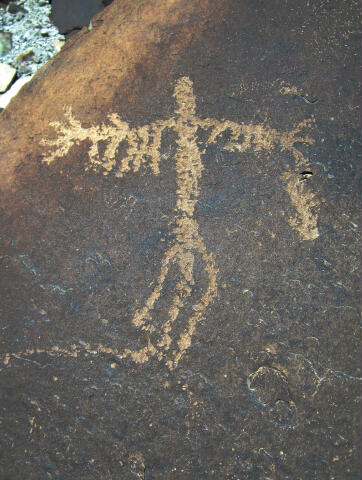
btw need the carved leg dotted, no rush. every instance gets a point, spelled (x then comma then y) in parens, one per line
(186, 263)
(184, 341)
(143, 314)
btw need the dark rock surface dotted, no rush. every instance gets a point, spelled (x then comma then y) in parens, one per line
(72, 15)
(180, 247)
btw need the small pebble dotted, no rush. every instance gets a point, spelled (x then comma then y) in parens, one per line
(7, 74)
(25, 55)
(58, 44)
(13, 7)
(5, 42)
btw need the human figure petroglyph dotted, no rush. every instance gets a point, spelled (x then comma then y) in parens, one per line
(143, 150)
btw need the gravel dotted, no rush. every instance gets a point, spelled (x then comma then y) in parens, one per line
(34, 39)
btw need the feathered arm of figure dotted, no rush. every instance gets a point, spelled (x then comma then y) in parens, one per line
(142, 143)
(243, 137)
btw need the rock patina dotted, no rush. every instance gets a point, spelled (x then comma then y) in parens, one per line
(180, 230)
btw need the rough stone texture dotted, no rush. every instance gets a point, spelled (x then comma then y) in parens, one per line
(181, 247)
(5, 41)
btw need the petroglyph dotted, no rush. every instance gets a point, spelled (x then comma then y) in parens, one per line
(143, 145)
(305, 203)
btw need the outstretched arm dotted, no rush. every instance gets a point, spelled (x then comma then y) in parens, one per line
(71, 133)
(241, 137)
(143, 143)
(68, 134)
(257, 136)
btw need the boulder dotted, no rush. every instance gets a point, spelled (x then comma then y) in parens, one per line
(71, 15)
(180, 247)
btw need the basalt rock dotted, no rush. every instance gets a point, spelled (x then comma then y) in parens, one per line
(180, 231)
(71, 15)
